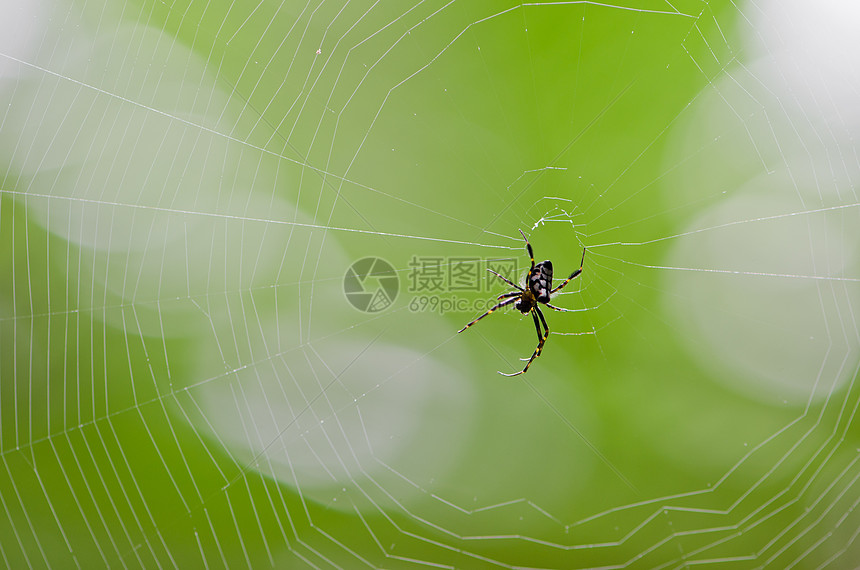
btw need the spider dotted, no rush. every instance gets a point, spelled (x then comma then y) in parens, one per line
(538, 281)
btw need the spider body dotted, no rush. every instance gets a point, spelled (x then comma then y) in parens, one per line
(539, 282)
(537, 291)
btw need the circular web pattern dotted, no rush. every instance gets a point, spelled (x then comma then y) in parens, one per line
(183, 382)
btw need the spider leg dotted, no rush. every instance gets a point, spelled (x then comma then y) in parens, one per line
(498, 306)
(537, 326)
(554, 308)
(529, 249)
(545, 327)
(511, 294)
(506, 280)
(542, 336)
(572, 275)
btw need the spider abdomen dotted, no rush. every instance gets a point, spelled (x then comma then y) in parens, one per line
(540, 281)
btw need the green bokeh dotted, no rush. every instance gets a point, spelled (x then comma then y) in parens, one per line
(435, 133)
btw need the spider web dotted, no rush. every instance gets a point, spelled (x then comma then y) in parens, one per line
(183, 381)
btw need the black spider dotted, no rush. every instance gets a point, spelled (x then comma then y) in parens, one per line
(537, 290)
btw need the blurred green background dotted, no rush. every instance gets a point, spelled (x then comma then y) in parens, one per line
(183, 382)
